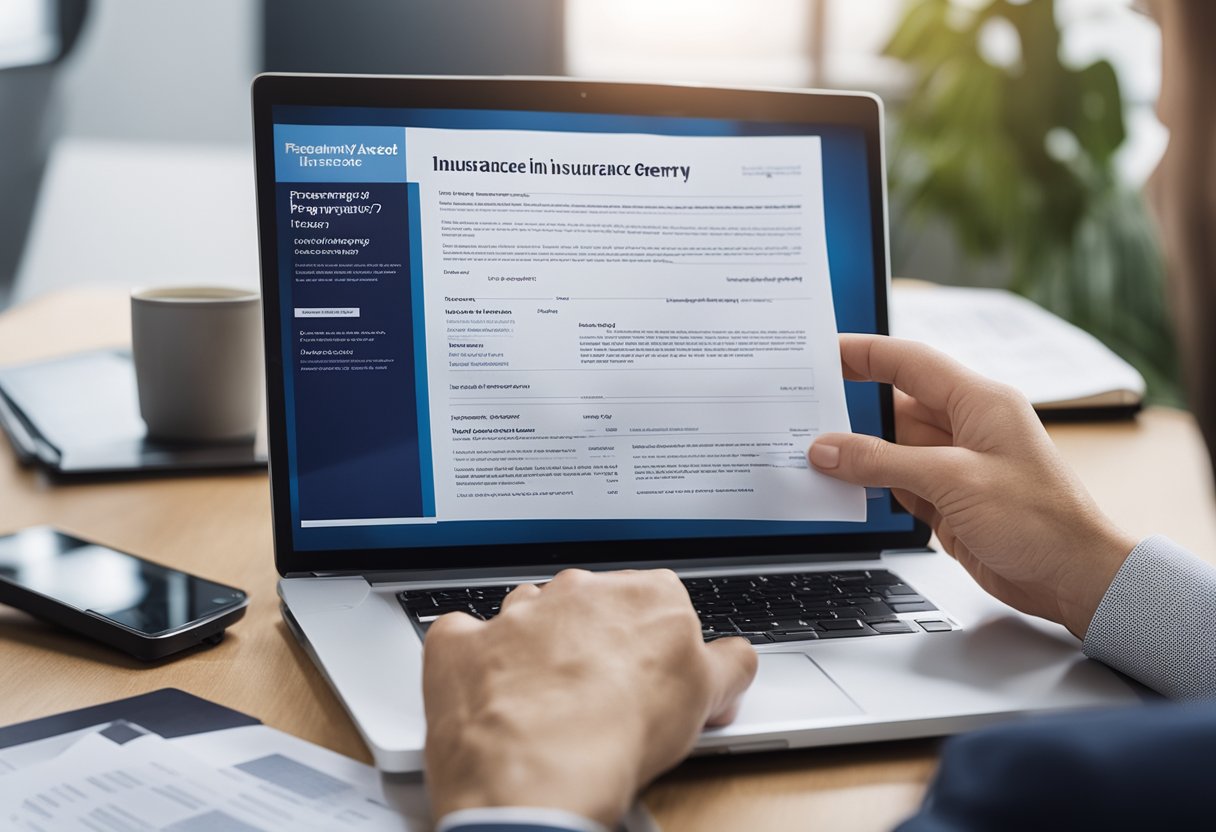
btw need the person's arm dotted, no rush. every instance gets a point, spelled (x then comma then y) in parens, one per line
(1157, 621)
(974, 462)
(1138, 768)
(573, 697)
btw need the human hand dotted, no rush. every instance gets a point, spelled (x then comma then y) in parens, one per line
(974, 462)
(575, 695)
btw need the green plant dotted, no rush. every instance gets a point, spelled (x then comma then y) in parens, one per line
(1016, 156)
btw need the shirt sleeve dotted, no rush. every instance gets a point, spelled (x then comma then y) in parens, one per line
(516, 819)
(1157, 621)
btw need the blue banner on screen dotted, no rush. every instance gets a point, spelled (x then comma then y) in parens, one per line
(314, 153)
(512, 327)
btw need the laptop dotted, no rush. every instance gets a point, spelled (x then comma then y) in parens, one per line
(518, 325)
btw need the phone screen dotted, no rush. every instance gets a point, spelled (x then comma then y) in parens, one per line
(131, 591)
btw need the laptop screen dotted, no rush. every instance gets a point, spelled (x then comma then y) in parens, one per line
(518, 327)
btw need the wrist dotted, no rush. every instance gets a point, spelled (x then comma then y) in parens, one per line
(527, 816)
(575, 798)
(588, 782)
(1091, 574)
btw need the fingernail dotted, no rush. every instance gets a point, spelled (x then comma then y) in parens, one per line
(824, 456)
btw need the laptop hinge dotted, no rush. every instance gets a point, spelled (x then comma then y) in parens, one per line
(540, 571)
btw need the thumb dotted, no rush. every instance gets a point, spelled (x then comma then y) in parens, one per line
(732, 663)
(868, 460)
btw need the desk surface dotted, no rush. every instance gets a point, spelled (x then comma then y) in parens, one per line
(1150, 474)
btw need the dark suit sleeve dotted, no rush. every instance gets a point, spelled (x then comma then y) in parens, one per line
(1139, 768)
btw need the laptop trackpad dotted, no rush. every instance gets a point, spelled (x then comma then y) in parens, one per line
(789, 686)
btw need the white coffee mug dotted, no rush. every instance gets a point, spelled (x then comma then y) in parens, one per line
(198, 362)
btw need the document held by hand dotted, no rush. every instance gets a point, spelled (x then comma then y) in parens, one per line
(626, 326)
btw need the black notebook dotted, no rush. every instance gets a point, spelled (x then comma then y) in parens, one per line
(79, 415)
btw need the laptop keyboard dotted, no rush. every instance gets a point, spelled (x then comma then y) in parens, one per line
(799, 606)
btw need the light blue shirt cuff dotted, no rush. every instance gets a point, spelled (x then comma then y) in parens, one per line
(516, 819)
(1157, 621)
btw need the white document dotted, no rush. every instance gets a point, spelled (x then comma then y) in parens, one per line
(404, 794)
(119, 782)
(119, 776)
(627, 326)
(18, 757)
(1013, 340)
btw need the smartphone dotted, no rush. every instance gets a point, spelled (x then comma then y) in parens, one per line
(139, 607)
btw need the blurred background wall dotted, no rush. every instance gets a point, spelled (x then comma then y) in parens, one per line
(443, 37)
(153, 70)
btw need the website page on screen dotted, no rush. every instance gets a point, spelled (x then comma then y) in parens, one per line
(525, 327)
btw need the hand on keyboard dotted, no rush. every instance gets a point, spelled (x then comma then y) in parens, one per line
(575, 695)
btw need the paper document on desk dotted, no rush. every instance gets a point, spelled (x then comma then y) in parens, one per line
(121, 776)
(1013, 340)
(232, 774)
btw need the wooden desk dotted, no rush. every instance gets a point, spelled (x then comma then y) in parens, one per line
(1151, 474)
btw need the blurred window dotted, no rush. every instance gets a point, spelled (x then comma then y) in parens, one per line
(712, 41)
(854, 36)
(837, 44)
(29, 32)
(790, 41)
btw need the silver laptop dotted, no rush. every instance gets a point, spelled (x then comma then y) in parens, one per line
(515, 325)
